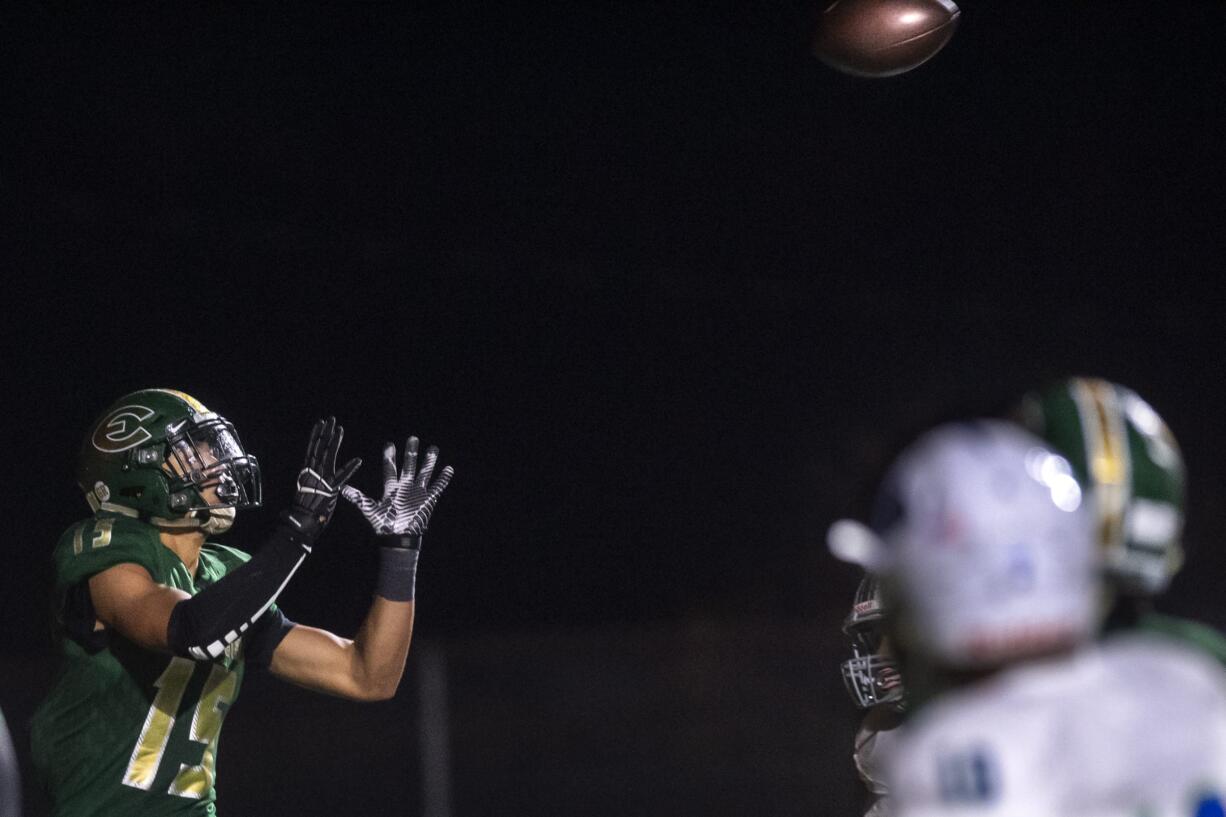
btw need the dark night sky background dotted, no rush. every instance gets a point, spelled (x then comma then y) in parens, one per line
(661, 286)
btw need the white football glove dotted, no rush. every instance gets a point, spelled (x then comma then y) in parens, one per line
(402, 514)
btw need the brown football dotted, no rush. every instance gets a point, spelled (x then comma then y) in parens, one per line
(881, 38)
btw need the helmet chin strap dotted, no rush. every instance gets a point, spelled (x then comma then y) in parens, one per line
(217, 520)
(211, 521)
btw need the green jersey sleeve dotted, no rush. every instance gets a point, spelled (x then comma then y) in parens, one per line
(93, 545)
(228, 558)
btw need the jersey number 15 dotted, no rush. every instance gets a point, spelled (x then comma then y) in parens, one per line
(218, 694)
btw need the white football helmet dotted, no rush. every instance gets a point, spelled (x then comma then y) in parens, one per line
(982, 538)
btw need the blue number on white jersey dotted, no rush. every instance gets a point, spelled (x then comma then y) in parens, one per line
(967, 777)
(1209, 806)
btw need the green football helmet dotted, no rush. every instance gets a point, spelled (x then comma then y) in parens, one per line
(160, 455)
(1130, 466)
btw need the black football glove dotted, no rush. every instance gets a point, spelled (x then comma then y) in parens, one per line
(320, 481)
(399, 519)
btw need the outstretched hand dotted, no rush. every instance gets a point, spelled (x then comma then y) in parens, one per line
(408, 496)
(320, 481)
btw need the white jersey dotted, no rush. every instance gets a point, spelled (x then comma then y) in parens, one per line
(1134, 726)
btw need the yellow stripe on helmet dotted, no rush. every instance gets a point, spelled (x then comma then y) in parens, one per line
(196, 405)
(1107, 456)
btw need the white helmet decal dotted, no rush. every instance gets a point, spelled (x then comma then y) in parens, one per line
(121, 429)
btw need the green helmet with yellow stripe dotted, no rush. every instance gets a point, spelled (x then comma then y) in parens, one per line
(160, 455)
(1131, 469)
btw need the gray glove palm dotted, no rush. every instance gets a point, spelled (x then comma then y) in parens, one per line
(409, 496)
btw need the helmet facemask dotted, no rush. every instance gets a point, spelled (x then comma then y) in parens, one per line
(872, 679)
(871, 675)
(207, 468)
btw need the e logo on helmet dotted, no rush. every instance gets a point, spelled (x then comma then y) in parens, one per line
(121, 429)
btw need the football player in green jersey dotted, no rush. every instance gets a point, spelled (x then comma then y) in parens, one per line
(158, 622)
(1123, 453)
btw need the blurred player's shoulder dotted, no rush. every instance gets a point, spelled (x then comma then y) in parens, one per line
(1150, 711)
(1176, 672)
(1174, 699)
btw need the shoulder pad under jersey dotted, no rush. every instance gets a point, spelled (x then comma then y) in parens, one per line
(93, 545)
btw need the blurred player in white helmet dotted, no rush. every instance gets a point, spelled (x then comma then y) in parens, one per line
(991, 573)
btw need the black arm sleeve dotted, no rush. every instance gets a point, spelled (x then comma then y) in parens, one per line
(265, 635)
(203, 626)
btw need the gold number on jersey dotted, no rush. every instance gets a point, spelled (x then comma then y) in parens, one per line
(102, 533)
(219, 693)
(100, 539)
(151, 745)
